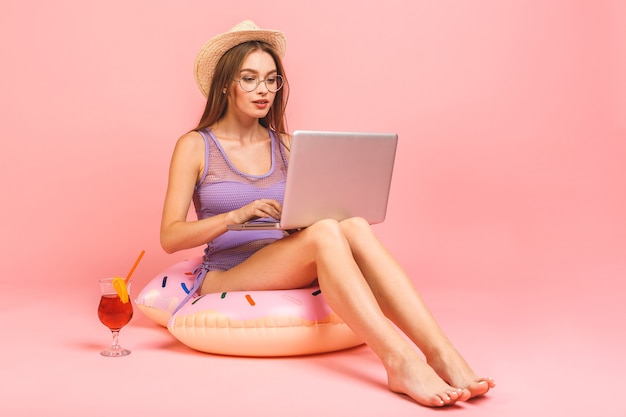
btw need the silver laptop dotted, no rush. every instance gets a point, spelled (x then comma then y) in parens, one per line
(334, 175)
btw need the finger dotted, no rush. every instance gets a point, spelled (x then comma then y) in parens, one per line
(273, 203)
(265, 211)
(272, 208)
(272, 212)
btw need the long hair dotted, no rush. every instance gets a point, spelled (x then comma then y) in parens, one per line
(226, 70)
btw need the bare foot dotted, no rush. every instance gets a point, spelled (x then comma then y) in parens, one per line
(418, 380)
(453, 369)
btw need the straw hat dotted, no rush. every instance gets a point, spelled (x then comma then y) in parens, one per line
(217, 46)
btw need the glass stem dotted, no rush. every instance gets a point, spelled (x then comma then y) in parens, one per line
(115, 345)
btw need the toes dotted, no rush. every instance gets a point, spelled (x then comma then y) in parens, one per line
(456, 394)
(479, 388)
(441, 399)
(489, 381)
(448, 397)
(465, 395)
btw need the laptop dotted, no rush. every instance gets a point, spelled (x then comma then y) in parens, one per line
(334, 175)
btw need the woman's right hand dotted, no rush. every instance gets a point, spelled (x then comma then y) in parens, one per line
(262, 208)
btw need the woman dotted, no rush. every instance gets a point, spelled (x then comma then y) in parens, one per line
(233, 167)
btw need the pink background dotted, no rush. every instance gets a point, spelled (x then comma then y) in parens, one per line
(507, 204)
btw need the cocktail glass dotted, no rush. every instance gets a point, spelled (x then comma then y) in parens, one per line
(115, 314)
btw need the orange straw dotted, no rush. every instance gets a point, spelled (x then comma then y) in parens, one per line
(127, 280)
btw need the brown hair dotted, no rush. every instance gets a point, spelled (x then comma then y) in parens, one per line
(226, 70)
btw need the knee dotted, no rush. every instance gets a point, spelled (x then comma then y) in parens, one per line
(326, 232)
(354, 225)
(329, 232)
(330, 227)
(326, 227)
(332, 230)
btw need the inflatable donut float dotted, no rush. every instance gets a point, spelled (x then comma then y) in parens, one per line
(244, 323)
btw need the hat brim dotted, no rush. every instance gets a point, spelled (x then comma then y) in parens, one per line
(216, 47)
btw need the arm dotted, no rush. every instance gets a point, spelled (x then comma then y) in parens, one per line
(185, 169)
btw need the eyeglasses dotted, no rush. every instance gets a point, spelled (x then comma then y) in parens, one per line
(272, 83)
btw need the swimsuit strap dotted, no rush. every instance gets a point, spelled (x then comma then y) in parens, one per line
(200, 273)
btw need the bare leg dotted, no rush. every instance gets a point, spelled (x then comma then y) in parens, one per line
(322, 251)
(350, 296)
(400, 302)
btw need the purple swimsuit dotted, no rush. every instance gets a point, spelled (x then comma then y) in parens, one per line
(224, 188)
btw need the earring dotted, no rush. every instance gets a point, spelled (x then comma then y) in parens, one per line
(224, 90)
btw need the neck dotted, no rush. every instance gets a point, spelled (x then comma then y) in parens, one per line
(243, 131)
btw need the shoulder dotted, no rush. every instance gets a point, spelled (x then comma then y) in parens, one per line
(284, 138)
(189, 152)
(285, 141)
(190, 142)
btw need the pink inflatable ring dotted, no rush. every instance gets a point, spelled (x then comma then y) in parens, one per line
(244, 323)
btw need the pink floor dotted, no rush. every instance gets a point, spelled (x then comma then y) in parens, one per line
(554, 350)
